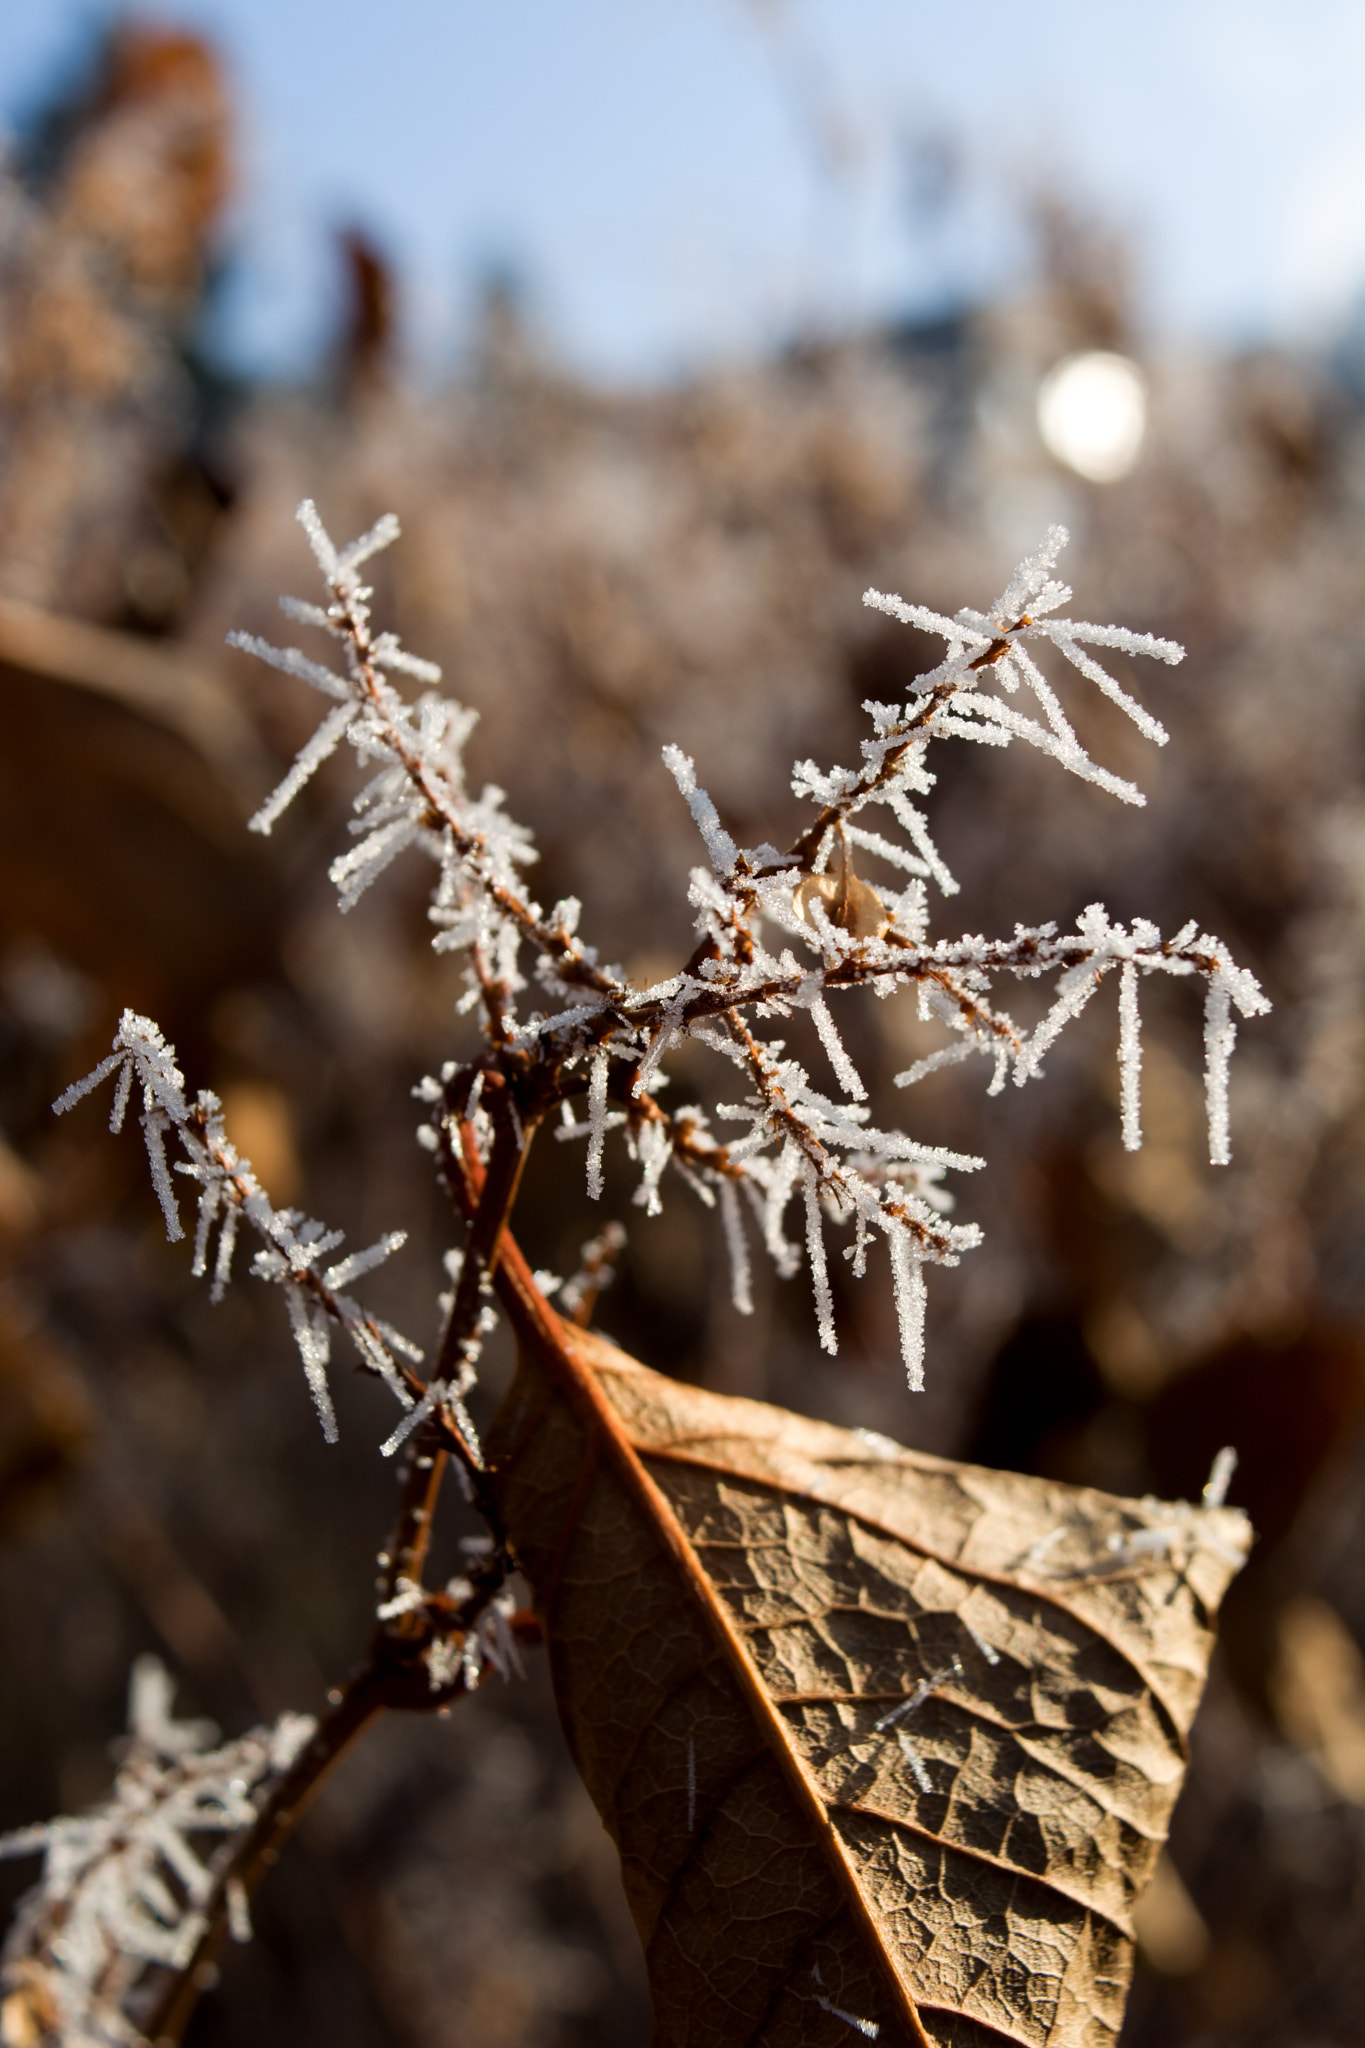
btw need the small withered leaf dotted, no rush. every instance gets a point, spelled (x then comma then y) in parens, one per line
(886, 1743)
(849, 902)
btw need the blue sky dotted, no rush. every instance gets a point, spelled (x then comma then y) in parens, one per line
(678, 180)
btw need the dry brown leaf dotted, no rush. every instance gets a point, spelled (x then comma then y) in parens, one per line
(737, 1602)
(848, 901)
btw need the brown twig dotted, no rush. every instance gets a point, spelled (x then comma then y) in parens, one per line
(497, 1193)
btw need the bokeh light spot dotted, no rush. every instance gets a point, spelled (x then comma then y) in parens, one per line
(1092, 414)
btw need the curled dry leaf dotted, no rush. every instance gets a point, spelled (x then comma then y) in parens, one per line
(848, 901)
(888, 1745)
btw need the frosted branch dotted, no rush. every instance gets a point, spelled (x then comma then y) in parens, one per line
(777, 933)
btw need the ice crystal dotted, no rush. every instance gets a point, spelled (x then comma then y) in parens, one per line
(1220, 1478)
(1152, 1535)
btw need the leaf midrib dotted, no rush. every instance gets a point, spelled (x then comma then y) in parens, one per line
(578, 1377)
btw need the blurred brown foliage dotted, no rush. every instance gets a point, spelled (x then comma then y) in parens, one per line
(599, 573)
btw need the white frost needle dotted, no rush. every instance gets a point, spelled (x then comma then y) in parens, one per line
(869, 2029)
(597, 1121)
(919, 1770)
(981, 1646)
(819, 1271)
(908, 1280)
(1130, 1058)
(1220, 1478)
(843, 1066)
(741, 1290)
(915, 1700)
(238, 1910)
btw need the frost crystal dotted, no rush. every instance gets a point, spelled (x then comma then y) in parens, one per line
(741, 1289)
(919, 1770)
(1220, 1478)
(597, 1121)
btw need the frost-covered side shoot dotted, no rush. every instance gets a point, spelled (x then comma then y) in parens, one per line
(293, 1247)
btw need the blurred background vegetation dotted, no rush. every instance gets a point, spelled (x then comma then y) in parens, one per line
(600, 569)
